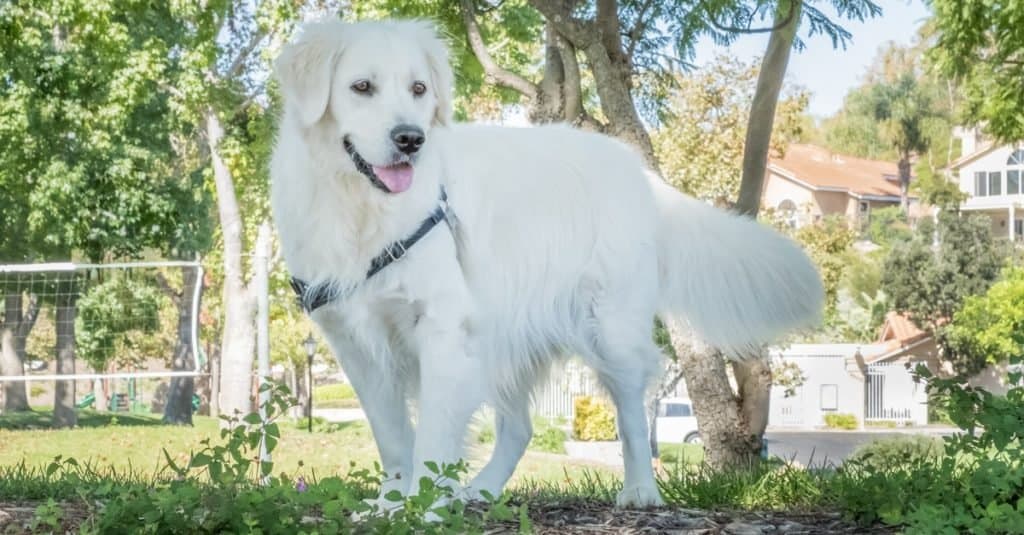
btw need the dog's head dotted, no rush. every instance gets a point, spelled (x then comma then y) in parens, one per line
(378, 87)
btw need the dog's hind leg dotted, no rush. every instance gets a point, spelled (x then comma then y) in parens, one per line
(626, 361)
(513, 430)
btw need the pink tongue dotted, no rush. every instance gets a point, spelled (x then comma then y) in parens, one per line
(397, 178)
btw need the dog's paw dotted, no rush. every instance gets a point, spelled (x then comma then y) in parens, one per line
(639, 496)
(473, 493)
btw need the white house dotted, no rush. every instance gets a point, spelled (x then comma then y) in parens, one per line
(993, 176)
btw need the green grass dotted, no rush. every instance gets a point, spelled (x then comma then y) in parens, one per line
(335, 396)
(131, 443)
(672, 454)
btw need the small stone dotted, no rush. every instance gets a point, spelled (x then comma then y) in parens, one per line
(744, 528)
(793, 528)
(5, 518)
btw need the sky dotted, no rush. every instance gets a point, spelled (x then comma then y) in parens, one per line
(826, 72)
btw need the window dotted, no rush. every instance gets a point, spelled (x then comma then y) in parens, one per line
(863, 207)
(675, 410)
(980, 184)
(1018, 229)
(1013, 182)
(995, 183)
(829, 397)
(1017, 158)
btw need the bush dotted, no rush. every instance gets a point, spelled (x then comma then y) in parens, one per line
(897, 452)
(841, 421)
(593, 420)
(547, 436)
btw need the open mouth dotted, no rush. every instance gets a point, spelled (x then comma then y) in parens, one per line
(394, 178)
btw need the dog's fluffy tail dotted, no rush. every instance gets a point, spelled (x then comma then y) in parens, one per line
(738, 283)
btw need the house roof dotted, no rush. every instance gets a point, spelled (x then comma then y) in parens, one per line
(968, 158)
(898, 334)
(819, 169)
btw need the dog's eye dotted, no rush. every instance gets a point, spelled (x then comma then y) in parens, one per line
(362, 86)
(418, 88)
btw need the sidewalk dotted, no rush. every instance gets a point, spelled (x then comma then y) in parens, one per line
(340, 415)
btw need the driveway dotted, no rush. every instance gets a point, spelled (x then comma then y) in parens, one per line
(815, 448)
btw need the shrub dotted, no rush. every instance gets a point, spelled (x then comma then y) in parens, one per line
(897, 452)
(547, 436)
(593, 419)
(841, 421)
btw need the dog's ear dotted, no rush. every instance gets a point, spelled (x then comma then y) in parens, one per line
(305, 67)
(441, 77)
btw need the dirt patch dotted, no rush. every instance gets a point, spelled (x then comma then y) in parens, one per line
(17, 518)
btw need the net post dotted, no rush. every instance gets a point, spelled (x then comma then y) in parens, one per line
(262, 288)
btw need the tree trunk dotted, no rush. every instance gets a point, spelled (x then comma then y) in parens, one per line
(762, 110)
(239, 332)
(904, 171)
(214, 363)
(64, 414)
(732, 438)
(12, 362)
(178, 410)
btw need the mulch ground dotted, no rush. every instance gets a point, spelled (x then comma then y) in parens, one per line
(16, 519)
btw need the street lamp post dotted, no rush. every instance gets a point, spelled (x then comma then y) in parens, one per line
(310, 345)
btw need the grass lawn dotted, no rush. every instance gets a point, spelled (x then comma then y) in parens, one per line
(134, 441)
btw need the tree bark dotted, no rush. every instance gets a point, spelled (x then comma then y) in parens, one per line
(904, 171)
(613, 74)
(730, 439)
(64, 414)
(762, 110)
(239, 333)
(13, 331)
(178, 410)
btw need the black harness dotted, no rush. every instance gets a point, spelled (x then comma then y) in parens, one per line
(312, 297)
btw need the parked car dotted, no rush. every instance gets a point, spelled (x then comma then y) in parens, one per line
(676, 422)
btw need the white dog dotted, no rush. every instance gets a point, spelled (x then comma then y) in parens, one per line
(530, 245)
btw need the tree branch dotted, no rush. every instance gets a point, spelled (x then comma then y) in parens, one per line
(500, 76)
(166, 288)
(29, 320)
(748, 30)
(639, 27)
(579, 33)
(243, 55)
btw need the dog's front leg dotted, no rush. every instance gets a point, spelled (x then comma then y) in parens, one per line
(451, 389)
(382, 395)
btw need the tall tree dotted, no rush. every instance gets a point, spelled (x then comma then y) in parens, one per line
(82, 80)
(978, 42)
(217, 92)
(930, 286)
(902, 110)
(700, 136)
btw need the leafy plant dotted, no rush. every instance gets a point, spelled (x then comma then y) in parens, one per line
(896, 452)
(593, 419)
(841, 421)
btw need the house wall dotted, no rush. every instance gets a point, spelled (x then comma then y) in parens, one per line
(833, 202)
(993, 161)
(778, 189)
(827, 366)
(994, 379)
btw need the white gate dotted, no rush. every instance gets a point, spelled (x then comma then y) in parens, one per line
(893, 395)
(566, 382)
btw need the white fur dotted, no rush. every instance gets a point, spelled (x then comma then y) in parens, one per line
(565, 244)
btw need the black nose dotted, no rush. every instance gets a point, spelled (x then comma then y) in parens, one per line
(408, 138)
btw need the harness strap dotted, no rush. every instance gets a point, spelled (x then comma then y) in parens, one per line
(312, 297)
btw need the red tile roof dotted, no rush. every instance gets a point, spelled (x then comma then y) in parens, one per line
(821, 169)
